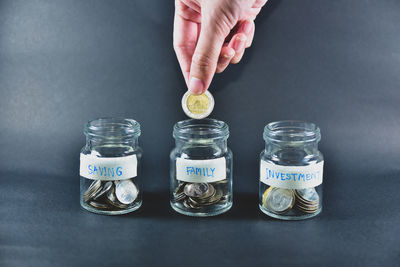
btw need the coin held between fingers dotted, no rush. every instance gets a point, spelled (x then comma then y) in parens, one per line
(196, 86)
(197, 106)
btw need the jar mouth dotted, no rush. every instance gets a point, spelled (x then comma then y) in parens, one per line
(201, 129)
(112, 128)
(292, 131)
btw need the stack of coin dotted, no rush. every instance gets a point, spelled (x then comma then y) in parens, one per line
(179, 195)
(200, 195)
(278, 200)
(307, 200)
(111, 195)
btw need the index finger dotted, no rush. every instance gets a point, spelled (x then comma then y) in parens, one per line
(185, 39)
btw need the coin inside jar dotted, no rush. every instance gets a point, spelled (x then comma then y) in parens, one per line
(112, 199)
(179, 197)
(307, 200)
(200, 195)
(197, 106)
(107, 186)
(126, 191)
(196, 189)
(92, 191)
(179, 188)
(266, 193)
(98, 205)
(279, 200)
(308, 194)
(215, 198)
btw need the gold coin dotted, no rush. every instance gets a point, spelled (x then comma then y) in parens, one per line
(264, 198)
(279, 200)
(197, 106)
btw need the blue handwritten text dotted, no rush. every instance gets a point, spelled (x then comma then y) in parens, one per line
(206, 172)
(104, 171)
(285, 176)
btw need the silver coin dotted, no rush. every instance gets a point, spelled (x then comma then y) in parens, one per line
(126, 191)
(306, 210)
(98, 205)
(94, 186)
(107, 186)
(192, 204)
(215, 198)
(196, 189)
(112, 199)
(210, 192)
(194, 200)
(302, 207)
(179, 188)
(308, 194)
(92, 191)
(186, 204)
(207, 196)
(307, 200)
(280, 200)
(179, 197)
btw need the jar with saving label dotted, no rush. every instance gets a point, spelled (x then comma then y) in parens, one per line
(291, 171)
(109, 166)
(201, 168)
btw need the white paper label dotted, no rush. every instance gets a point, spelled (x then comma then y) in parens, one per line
(291, 177)
(201, 171)
(97, 168)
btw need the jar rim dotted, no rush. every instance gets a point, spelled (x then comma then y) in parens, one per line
(292, 131)
(112, 128)
(201, 129)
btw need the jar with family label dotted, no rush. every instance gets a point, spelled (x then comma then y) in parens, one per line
(291, 171)
(109, 181)
(201, 168)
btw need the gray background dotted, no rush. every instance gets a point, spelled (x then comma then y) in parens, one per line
(335, 63)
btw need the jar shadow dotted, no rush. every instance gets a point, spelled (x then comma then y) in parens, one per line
(156, 206)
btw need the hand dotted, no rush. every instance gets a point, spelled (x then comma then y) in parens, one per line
(210, 34)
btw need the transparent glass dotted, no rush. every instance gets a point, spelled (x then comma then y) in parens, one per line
(291, 143)
(200, 141)
(112, 138)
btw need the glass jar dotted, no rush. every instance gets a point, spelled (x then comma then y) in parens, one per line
(201, 168)
(291, 171)
(109, 181)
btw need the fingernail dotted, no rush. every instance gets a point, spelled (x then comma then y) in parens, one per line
(225, 58)
(229, 55)
(196, 86)
(239, 43)
(246, 27)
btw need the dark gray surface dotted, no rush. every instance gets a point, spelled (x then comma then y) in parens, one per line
(335, 63)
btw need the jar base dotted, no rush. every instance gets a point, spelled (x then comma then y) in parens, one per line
(111, 212)
(227, 207)
(289, 217)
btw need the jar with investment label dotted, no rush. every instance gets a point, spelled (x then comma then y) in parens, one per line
(109, 181)
(291, 171)
(201, 168)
